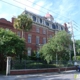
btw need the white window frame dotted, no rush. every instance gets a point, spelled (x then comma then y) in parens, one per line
(44, 40)
(7, 29)
(44, 31)
(29, 38)
(29, 51)
(37, 29)
(19, 33)
(40, 22)
(33, 18)
(47, 22)
(50, 36)
(37, 39)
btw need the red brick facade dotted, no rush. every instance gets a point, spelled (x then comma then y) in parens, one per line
(9, 25)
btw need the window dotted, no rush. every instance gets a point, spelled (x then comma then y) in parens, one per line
(53, 26)
(37, 39)
(29, 38)
(50, 36)
(29, 52)
(47, 24)
(37, 54)
(57, 25)
(44, 31)
(44, 40)
(37, 29)
(61, 28)
(7, 29)
(19, 34)
(34, 18)
(40, 20)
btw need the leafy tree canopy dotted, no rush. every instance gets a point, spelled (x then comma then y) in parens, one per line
(10, 43)
(77, 47)
(59, 44)
(61, 41)
(23, 22)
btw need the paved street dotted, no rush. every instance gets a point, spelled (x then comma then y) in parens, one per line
(69, 75)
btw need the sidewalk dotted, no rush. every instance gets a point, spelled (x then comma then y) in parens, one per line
(12, 77)
(76, 76)
(19, 77)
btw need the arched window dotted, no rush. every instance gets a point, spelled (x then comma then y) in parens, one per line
(53, 26)
(61, 28)
(34, 18)
(40, 20)
(47, 23)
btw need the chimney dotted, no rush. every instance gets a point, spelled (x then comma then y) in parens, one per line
(13, 18)
(65, 25)
(66, 28)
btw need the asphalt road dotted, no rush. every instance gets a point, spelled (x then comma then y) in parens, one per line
(69, 75)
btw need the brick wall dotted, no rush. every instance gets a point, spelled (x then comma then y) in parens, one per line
(31, 71)
(9, 25)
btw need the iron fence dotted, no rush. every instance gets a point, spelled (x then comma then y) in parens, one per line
(37, 64)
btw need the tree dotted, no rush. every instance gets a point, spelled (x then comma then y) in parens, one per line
(77, 58)
(77, 44)
(58, 45)
(23, 22)
(47, 53)
(10, 43)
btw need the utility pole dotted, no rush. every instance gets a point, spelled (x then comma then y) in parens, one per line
(73, 41)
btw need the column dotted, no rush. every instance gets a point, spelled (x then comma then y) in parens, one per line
(8, 65)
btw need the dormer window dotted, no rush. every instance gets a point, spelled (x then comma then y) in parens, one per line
(61, 28)
(34, 18)
(47, 24)
(40, 20)
(56, 25)
(53, 26)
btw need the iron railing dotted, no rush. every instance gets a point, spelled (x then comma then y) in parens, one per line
(37, 64)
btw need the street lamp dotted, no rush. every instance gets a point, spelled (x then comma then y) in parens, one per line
(38, 48)
(70, 47)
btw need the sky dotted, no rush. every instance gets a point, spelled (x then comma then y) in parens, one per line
(62, 10)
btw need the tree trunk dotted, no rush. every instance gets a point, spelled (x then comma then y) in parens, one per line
(56, 58)
(2, 63)
(22, 34)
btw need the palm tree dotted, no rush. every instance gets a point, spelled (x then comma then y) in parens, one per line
(23, 22)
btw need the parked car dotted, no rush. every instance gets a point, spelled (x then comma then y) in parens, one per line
(78, 68)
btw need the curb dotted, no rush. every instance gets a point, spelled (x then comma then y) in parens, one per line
(37, 75)
(42, 74)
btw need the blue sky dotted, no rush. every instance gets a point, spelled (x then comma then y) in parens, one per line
(62, 10)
